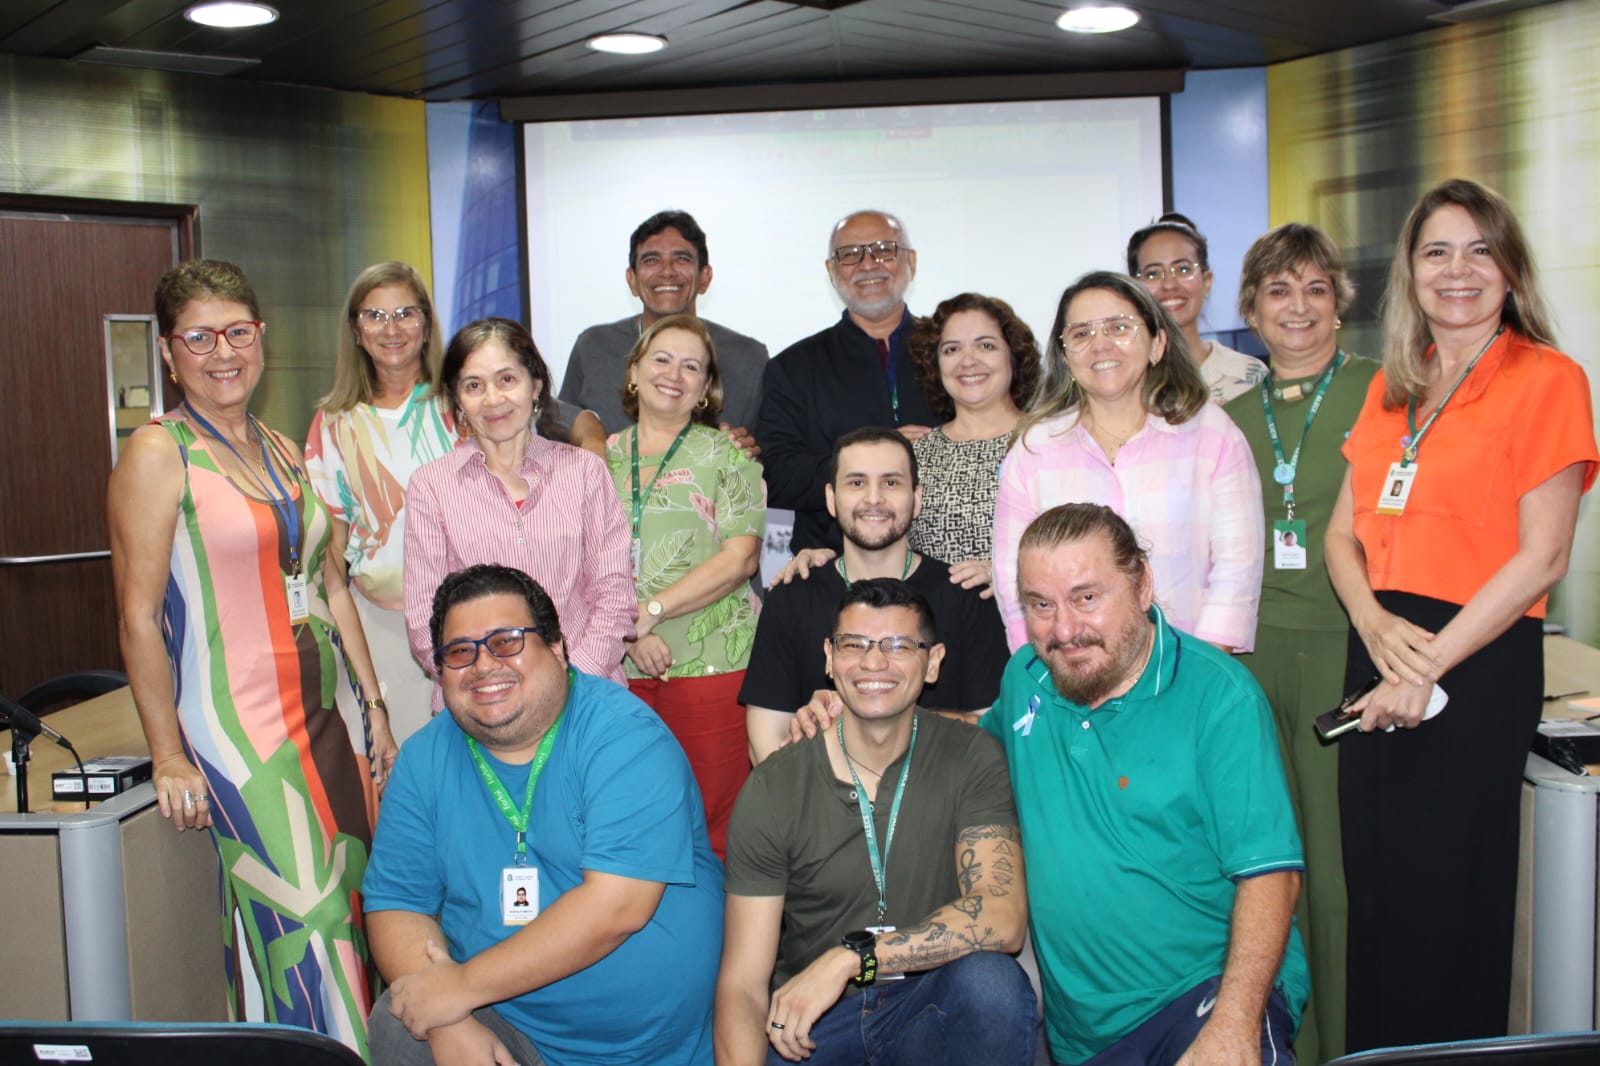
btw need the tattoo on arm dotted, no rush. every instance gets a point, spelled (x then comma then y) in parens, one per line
(958, 929)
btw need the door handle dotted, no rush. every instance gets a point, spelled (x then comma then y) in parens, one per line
(65, 557)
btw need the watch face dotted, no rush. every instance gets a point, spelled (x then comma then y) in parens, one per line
(654, 607)
(859, 940)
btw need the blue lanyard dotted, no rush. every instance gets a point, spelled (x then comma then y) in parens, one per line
(879, 862)
(282, 502)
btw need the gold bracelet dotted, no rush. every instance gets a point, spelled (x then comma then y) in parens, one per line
(374, 704)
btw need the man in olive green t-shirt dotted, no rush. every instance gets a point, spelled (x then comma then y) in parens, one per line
(882, 857)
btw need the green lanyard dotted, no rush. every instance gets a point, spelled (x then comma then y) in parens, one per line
(1284, 472)
(839, 566)
(638, 497)
(1412, 441)
(879, 862)
(502, 798)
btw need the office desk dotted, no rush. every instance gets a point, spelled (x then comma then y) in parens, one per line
(111, 914)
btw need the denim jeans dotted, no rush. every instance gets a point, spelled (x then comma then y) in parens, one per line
(977, 1009)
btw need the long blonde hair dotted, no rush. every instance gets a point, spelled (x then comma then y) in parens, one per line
(354, 380)
(1407, 335)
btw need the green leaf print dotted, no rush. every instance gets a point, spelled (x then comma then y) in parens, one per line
(739, 640)
(740, 496)
(709, 621)
(667, 560)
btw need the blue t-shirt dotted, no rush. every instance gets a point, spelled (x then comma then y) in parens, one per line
(1138, 818)
(616, 797)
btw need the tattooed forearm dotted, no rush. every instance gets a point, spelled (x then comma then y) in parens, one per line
(931, 944)
(989, 915)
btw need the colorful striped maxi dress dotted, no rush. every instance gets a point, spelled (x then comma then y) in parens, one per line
(269, 718)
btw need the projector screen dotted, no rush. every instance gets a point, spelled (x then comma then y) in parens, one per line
(1013, 200)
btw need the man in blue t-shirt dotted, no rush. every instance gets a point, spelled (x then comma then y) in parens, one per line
(578, 921)
(1163, 860)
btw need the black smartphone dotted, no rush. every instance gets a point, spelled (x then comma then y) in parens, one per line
(1331, 725)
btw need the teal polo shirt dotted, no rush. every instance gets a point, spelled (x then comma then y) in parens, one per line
(1138, 818)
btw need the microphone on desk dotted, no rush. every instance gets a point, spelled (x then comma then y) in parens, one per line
(25, 721)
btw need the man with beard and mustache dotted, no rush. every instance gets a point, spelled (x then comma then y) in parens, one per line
(854, 373)
(875, 496)
(669, 269)
(1164, 863)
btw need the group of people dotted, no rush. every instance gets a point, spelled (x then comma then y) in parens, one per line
(1139, 561)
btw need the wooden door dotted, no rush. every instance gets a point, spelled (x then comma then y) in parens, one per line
(61, 275)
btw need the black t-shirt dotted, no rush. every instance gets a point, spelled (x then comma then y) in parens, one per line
(787, 664)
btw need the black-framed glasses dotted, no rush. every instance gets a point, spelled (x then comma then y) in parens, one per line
(404, 317)
(881, 252)
(1118, 329)
(204, 341)
(1181, 270)
(855, 645)
(502, 644)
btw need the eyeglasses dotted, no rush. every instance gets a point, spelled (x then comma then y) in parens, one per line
(502, 644)
(376, 317)
(881, 252)
(1118, 329)
(204, 341)
(1182, 270)
(855, 645)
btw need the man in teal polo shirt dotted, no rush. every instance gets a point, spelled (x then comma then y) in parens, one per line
(1163, 860)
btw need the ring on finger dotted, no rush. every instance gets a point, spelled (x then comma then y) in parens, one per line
(778, 1026)
(188, 800)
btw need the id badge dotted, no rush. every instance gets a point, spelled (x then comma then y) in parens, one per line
(294, 589)
(1289, 545)
(519, 894)
(635, 555)
(1396, 488)
(879, 930)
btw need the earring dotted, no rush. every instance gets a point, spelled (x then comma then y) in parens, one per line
(705, 401)
(1338, 323)
(633, 388)
(173, 375)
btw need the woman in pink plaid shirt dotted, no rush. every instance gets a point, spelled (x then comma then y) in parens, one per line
(1123, 419)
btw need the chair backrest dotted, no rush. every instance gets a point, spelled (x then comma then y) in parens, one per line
(1558, 1049)
(74, 687)
(160, 1044)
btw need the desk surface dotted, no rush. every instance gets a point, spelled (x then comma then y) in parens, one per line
(105, 725)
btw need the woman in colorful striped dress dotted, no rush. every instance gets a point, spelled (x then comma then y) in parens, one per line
(237, 630)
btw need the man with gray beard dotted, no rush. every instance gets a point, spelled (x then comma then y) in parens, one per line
(1163, 861)
(854, 373)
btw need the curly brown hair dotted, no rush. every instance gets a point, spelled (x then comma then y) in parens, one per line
(923, 345)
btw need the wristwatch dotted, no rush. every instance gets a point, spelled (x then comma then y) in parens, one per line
(653, 608)
(864, 944)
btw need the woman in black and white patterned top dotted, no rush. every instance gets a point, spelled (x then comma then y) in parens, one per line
(978, 365)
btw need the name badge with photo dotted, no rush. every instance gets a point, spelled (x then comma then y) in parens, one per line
(294, 589)
(519, 894)
(1396, 488)
(1289, 545)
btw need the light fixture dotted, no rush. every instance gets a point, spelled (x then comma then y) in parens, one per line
(231, 14)
(627, 44)
(1098, 18)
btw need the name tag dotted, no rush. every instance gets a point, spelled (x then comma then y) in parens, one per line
(294, 590)
(1289, 545)
(1396, 488)
(519, 894)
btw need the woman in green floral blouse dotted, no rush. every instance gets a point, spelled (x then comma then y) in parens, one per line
(696, 506)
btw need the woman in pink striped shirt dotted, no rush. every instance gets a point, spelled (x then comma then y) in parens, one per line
(509, 495)
(1122, 419)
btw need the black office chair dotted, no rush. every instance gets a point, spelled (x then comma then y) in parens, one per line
(161, 1044)
(1556, 1049)
(71, 688)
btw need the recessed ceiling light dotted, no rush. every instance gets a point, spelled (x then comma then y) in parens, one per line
(1098, 18)
(627, 44)
(232, 14)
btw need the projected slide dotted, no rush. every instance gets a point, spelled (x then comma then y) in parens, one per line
(1013, 200)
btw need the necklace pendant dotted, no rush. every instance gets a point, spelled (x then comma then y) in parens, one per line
(1283, 473)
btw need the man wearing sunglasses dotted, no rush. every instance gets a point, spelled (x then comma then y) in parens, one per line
(854, 373)
(562, 790)
(882, 929)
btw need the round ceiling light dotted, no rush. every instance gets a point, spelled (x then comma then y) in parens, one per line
(232, 15)
(627, 44)
(1098, 18)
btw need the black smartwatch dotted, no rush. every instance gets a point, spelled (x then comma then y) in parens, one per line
(864, 944)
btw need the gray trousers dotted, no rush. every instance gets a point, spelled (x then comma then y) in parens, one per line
(391, 1045)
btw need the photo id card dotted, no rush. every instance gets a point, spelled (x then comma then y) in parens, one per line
(519, 894)
(1289, 545)
(294, 590)
(635, 555)
(1396, 488)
